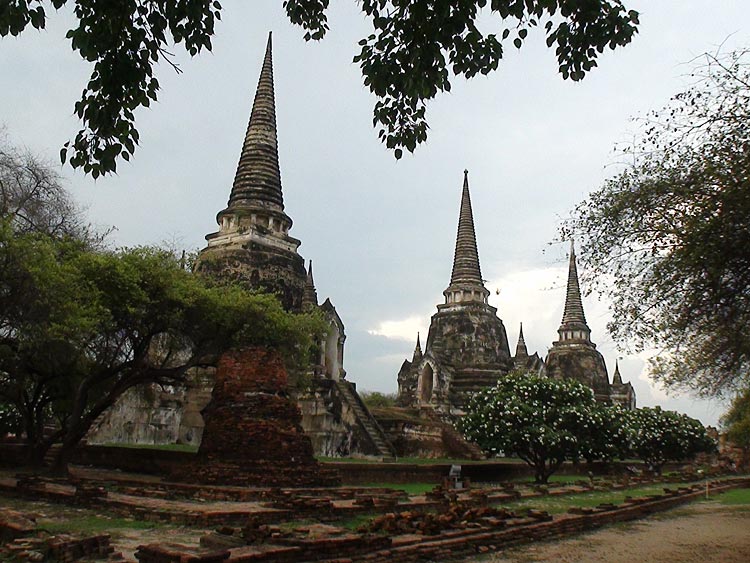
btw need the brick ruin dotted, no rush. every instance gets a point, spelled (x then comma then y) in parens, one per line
(300, 525)
(252, 433)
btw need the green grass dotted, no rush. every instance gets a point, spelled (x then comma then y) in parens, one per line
(417, 460)
(559, 504)
(411, 488)
(168, 447)
(552, 479)
(355, 521)
(60, 518)
(326, 459)
(736, 496)
(94, 524)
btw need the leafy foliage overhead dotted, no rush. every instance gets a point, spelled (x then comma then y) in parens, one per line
(123, 40)
(736, 421)
(415, 47)
(672, 231)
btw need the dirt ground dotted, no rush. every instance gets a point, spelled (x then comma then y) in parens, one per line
(705, 532)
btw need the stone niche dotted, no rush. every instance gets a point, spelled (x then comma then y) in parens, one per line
(467, 350)
(252, 434)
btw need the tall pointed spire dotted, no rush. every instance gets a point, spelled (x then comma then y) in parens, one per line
(258, 179)
(617, 378)
(466, 258)
(573, 326)
(310, 295)
(466, 278)
(417, 351)
(521, 351)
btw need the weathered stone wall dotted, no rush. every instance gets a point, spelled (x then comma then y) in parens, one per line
(469, 336)
(583, 363)
(258, 267)
(151, 414)
(330, 423)
(423, 434)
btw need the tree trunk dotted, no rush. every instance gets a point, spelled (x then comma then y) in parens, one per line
(64, 455)
(35, 454)
(541, 475)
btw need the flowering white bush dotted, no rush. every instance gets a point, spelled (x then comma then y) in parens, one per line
(543, 421)
(657, 436)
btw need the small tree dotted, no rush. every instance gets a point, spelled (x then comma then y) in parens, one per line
(541, 420)
(33, 199)
(736, 422)
(657, 436)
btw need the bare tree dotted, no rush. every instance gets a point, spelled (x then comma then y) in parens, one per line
(33, 198)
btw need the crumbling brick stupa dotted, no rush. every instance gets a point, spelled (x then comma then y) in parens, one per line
(252, 434)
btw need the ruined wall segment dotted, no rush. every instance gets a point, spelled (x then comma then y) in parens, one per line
(253, 434)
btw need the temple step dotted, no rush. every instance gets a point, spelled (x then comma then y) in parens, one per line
(366, 421)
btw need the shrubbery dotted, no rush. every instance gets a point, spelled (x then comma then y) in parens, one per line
(547, 421)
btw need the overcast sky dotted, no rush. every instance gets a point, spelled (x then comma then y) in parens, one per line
(381, 232)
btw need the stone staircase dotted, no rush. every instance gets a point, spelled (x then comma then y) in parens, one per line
(366, 421)
(51, 455)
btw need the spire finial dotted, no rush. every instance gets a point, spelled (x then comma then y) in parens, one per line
(573, 324)
(617, 378)
(258, 178)
(521, 351)
(466, 258)
(417, 351)
(309, 294)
